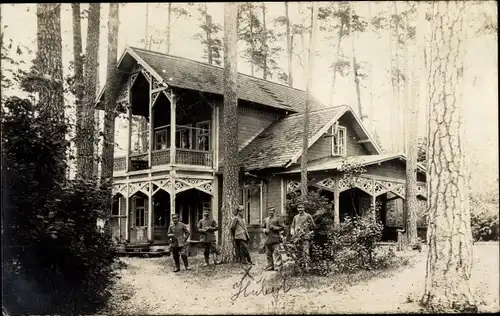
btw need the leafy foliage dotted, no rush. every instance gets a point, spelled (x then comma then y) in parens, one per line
(209, 37)
(484, 218)
(351, 247)
(55, 258)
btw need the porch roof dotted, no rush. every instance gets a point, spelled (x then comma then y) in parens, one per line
(334, 163)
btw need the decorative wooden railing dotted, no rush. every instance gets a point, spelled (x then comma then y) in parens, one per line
(193, 157)
(160, 157)
(120, 163)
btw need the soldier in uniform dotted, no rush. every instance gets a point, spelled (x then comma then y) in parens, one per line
(179, 234)
(302, 230)
(241, 237)
(273, 225)
(207, 226)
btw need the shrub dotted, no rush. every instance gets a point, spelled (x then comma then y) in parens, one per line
(55, 259)
(351, 247)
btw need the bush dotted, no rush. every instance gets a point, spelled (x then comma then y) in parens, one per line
(351, 247)
(55, 258)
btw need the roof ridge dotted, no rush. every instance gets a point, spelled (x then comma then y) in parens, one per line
(214, 66)
(316, 111)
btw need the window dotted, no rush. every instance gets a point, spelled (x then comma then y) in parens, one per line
(339, 140)
(115, 211)
(203, 136)
(140, 212)
(162, 139)
(161, 214)
(184, 137)
(251, 199)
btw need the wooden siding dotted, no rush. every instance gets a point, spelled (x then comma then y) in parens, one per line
(392, 169)
(252, 120)
(323, 146)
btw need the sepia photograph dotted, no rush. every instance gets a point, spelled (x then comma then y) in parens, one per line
(225, 158)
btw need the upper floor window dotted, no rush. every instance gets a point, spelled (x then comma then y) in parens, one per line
(339, 140)
(184, 137)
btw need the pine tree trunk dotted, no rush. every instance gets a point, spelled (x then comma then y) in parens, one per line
(449, 260)
(397, 86)
(110, 97)
(309, 71)
(146, 28)
(78, 78)
(354, 63)
(86, 137)
(252, 46)
(337, 53)
(169, 21)
(264, 42)
(289, 47)
(49, 57)
(416, 96)
(48, 65)
(230, 174)
(208, 22)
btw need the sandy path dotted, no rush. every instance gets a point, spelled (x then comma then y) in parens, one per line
(149, 286)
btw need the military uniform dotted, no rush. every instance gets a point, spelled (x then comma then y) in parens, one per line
(273, 226)
(178, 243)
(207, 227)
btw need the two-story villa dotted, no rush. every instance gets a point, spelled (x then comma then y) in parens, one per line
(177, 165)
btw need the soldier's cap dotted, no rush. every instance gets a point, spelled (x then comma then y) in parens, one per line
(271, 208)
(240, 208)
(206, 212)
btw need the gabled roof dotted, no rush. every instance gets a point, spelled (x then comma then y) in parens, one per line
(188, 74)
(334, 163)
(280, 142)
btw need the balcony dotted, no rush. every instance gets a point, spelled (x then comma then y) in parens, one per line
(192, 148)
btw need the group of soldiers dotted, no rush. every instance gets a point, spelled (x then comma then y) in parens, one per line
(301, 231)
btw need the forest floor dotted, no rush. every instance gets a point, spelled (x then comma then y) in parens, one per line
(148, 286)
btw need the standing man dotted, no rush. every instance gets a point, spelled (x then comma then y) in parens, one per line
(241, 236)
(302, 230)
(179, 234)
(272, 228)
(207, 226)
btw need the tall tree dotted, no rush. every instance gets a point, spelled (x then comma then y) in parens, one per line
(354, 64)
(110, 104)
(85, 134)
(309, 71)
(169, 28)
(230, 174)
(416, 96)
(46, 77)
(48, 63)
(289, 45)
(249, 27)
(78, 89)
(449, 259)
(209, 36)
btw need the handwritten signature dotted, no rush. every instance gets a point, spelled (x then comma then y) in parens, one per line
(263, 286)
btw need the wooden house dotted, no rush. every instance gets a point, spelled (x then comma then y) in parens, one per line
(177, 166)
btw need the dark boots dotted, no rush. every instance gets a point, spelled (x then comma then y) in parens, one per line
(185, 260)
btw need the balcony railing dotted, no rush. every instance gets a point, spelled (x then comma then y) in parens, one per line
(120, 163)
(192, 148)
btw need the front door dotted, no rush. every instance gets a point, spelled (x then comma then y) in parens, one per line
(139, 216)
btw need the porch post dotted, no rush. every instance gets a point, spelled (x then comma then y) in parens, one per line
(172, 193)
(151, 129)
(150, 210)
(336, 202)
(172, 127)
(283, 195)
(127, 213)
(129, 136)
(215, 203)
(374, 201)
